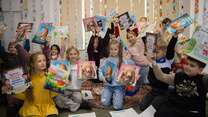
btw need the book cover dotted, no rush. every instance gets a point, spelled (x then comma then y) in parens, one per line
(57, 78)
(180, 22)
(87, 70)
(108, 70)
(17, 80)
(59, 33)
(125, 21)
(90, 23)
(151, 42)
(44, 31)
(22, 29)
(124, 113)
(128, 74)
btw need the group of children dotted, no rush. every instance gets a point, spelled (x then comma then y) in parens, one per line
(180, 94)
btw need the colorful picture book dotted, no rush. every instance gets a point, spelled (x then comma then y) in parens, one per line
(180, 22)
(92, 114)
(108, 69)
(86, 70)
(124, 113)
(101, 22)
(60, 32)
(22, 29)
(16, 79)
(197, 47)
(125, 21)
(151, 41)
(128, 74)
(90, 23)
(57, 78)
(43, 32)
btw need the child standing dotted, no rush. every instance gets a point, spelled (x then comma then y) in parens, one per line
(71, 99)
(38, 102)
(112, 89)
(136, 49)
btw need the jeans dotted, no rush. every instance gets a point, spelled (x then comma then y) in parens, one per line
(116, 93)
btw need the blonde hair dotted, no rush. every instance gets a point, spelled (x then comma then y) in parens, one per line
(120, 52)
(69, 50)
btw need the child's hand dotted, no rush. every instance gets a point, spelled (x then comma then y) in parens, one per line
(6, 87)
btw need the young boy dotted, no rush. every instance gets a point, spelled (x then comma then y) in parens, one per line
(189, 96)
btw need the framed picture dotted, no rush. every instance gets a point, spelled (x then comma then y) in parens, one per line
(151, 42)
(125, 21)
(90, 23)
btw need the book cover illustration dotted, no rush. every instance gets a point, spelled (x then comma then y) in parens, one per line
(42, 35)
(128, 74)
(151, 42)
(90, 23)
(22, 29)
(101, 22)
(57, 78)
(17, 80)
(180, 22)
(125, 21)
(59, 33)
(197, 47)
(87, 70)
(108, 70)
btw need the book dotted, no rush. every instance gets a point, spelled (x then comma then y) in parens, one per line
(87, 70)
(22, 29)
(108, 70)
(87, 94)
(149, 112)
(90, 23)
(125, 21)
(124, 113)
(197, 46)
(16, 79)
(151, 42)
(128, 74)
(43, 32)
(180, 22)
(57, 78)
(101, 22)
(92, 114)
(59, 33)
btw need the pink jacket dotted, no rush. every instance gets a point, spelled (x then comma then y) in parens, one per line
(137, 53)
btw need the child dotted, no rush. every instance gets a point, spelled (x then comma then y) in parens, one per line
(37, 100)
(112, 89)
(136, 50)
(189, 97)
(71, 99)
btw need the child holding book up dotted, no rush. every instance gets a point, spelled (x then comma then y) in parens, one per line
(34, 106)
(113, 91)
(71, 99)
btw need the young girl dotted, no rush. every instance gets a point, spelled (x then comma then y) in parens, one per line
(112, 89)
(136, 50)
(71, 99)
(38, 102)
